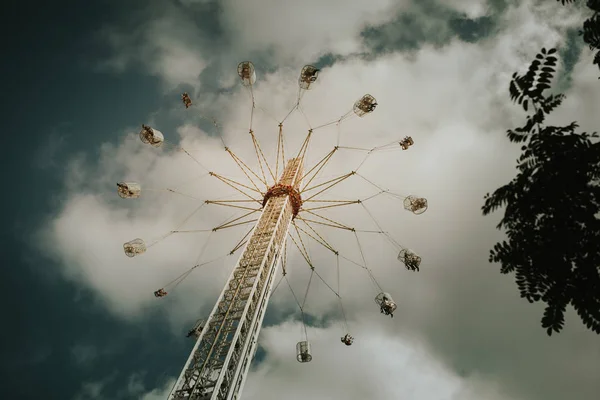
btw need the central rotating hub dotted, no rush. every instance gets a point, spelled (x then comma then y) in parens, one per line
(285, 190)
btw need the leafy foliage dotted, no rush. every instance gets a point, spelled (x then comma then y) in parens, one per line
(551, 207)
(591, 28)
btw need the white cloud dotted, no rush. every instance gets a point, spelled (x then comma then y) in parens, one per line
(583, 97)
(458, 311)
(93, 390)
(378, 366)
(472, 9)
(162, 47)
(134, 389)
(159, 393)
(301, 31)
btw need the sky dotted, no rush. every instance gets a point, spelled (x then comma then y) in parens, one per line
(78, 82)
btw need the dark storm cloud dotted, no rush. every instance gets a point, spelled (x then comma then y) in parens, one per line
(427, 22)
(53, 106)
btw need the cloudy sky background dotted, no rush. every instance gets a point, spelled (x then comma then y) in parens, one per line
(85, 324)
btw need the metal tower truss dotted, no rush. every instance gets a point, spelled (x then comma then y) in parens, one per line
(219, 362)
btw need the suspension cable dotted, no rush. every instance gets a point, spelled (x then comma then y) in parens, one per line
(337, 259)
(226, 204)
(284, 259)
(241, 242)
(362, 162)
(189, 181)
(395, 244)
(241, 165)
(301, 241)
(236, 188)
(320, 166)
(295, 107)
(256, 146)
(253, 106)
(337, 121)
(305, 117)
(321, 240)
(308, 287)
(184, 275)
(177, 227)
(362, 254)
(304, 255)
(235, 183)
(327, 284)
(264, 158)
(194, 158)
(335, 182)
(344, 314)
(197, 261)
(299, 306)
(213, 121)
(396, 195)
(277, 285)
(279, 151)
(337, 224)
(337, 294)
(268, 114)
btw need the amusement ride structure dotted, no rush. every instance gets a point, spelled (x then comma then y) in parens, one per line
(285, 200)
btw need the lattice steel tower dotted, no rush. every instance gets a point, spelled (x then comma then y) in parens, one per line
(219, 362)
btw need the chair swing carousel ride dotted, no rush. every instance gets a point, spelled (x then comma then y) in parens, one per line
(307, 204)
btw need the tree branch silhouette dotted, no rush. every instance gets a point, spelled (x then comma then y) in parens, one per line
(551, 207)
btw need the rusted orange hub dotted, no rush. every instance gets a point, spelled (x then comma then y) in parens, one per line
(285, 190)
